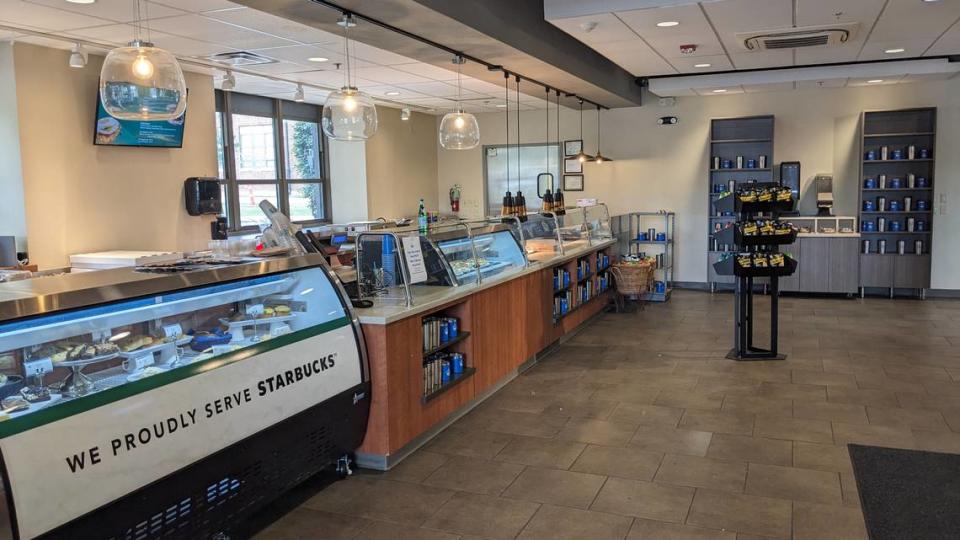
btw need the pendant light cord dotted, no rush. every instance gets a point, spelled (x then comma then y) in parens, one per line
(506, 96)
(518, 133)
(346, 49)
(561, 150)
(598, 130)
(136, 17)
(459, 60)
(547, 89)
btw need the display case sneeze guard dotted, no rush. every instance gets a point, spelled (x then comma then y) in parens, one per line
(193, 397)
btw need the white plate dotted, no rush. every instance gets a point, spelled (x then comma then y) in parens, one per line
(137, 375)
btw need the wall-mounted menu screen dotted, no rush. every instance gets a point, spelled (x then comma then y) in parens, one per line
(110, 131)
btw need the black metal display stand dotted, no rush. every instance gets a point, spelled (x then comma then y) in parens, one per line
(743, 348)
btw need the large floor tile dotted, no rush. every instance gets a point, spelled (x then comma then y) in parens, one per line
(561, 523)
(304, 523)
(551, 486)
(475, 475)
(718, 422)
(605, 432)
(483, 516)
(794, 429)
(644, 500)
(625, 462)
(701, 472)
(752, 449)
(645, 529)
(794, 484)
(827, 522)
(742, 513)
(538, 452)
(652, 415)
(674, 441)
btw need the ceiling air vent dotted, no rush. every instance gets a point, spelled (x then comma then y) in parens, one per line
(795, 38)
(241, 58)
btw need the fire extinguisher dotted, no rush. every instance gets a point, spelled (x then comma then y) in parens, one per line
(455, 198)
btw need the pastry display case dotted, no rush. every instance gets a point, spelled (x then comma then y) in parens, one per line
(541, 237)
(486, 251)
(118, 386)
(573, 229)
(597, 219)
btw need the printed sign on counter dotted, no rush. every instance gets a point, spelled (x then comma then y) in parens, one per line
(414, 256)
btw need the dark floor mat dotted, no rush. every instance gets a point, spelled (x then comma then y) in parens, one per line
(908, 494)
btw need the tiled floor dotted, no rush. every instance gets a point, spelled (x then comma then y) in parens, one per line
(638, 428)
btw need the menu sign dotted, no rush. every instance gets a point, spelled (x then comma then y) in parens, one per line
(112, 131)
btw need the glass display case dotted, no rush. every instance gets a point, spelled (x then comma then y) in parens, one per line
(452, 255)
(824, 225)
(105, 374)
(597, 218)
(574, 232)
(490, 249)
(541, 237)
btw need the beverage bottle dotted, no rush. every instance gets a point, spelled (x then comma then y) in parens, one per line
(422, 218)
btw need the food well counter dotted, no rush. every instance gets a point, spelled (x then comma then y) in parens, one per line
(163, 405)
(457, 338)
(827, 250)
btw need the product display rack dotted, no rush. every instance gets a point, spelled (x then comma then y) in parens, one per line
(882, 134)
(744, 348)
(749, 137)
(586, 281)
(662, 222)
(432, 386)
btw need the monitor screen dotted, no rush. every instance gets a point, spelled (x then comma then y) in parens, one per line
(110, 131)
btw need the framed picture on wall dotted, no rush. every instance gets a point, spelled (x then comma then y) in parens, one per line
(573, 182)
(573, 166)
(572, 148)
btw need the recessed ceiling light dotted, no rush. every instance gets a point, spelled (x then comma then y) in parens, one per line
(719, 90)
(318, 59)
(393, 93)
(667, 24)
(81, 1)
(702, 65)
(894, 51)
(875, 81)
(501, 106)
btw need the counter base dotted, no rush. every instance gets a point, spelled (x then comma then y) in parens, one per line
(218, 492)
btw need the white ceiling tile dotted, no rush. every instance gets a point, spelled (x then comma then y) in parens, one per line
(847, 52)
(927, 77)
(112, 33)
(762, 59)
(387, 75)
(636, 57)
(608, 28)
(482, 87)
(45, 42)
(874, 49)
(214, 31)
(773, 87)
(300, 54)
(47, 18)
(685, 64)
(271, 24)
(949, 43)
(824, 12)
(914, 20)
(828, 83)
(330, 77)
(377, 56)
(188, 47)
(381, 91)
(429, 71)
(692, 30)
(199, 6)
(438, 89)
(732, 16)
(277, 68)
(113, 10)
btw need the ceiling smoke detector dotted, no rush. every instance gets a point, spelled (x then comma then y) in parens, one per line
(795, 38)
(688, 49)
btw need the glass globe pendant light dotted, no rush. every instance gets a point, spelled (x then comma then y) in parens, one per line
(142, 82)
(599, 158)
(349, 114)
(459, 130)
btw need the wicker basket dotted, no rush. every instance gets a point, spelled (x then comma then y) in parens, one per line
(633, 279)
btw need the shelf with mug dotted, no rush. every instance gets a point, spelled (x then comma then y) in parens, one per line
(895, 232)
(902, 134)
(885, 212)
(916, 160)
(454, 381)
(661, 242)
(743, 169)
(740, 141)
(899, 189)
(461, 336)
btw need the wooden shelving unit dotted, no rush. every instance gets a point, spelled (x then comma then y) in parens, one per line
(897, 130)
(750, 137)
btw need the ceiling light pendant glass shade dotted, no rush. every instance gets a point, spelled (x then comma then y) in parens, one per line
(459, 131)
(142, 82)
(349, 115)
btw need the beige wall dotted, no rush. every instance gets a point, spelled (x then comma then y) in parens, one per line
(80, 197)
(401, 164)
(665, 167)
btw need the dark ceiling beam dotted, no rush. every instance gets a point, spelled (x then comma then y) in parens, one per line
(521, 25)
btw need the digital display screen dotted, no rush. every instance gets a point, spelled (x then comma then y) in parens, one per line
(110, 131)
(338, 239)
